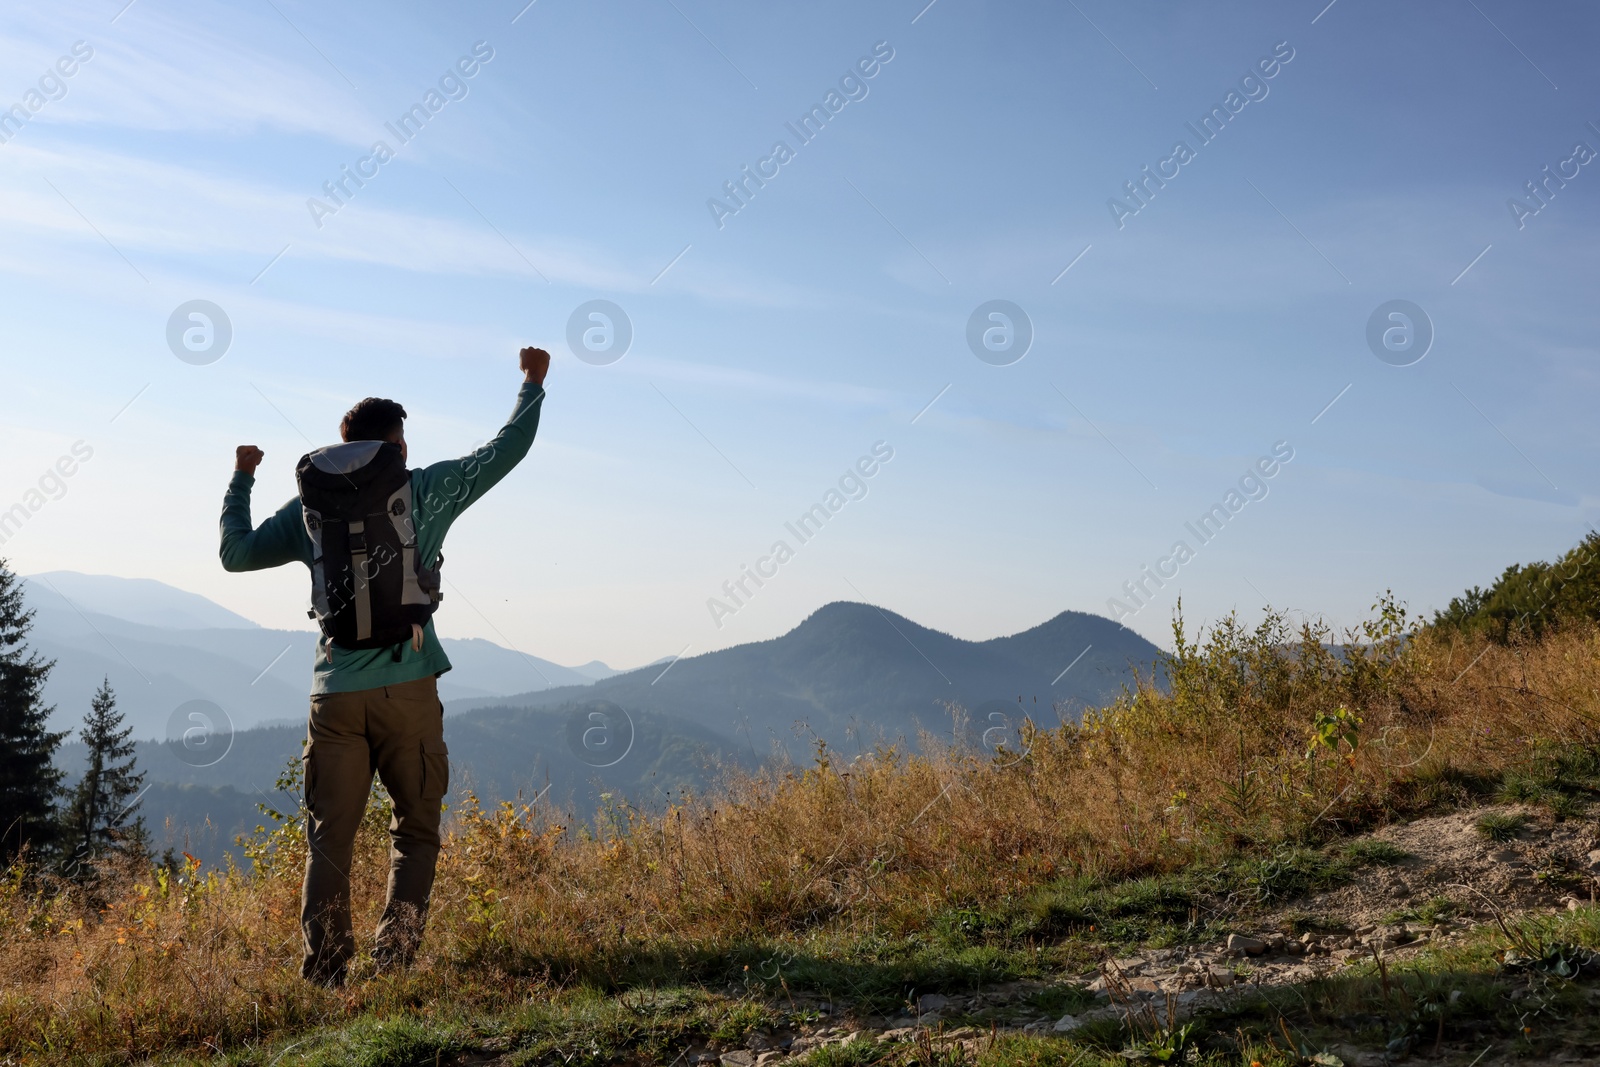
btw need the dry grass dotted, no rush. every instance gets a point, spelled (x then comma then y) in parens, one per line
(1247, 747)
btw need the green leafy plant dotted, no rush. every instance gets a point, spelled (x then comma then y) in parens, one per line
(1558, 959)
(1169, 1044)
(1331, 729)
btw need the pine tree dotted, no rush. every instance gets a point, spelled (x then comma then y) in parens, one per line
(101, 818)
(29, 781)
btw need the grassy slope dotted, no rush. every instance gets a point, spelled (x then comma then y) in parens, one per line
(1446, 1005)
(857, 886)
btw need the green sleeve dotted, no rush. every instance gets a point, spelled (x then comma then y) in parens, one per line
(448, 488)
(281, 539)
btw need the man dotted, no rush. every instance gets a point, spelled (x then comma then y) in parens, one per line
(373, 707)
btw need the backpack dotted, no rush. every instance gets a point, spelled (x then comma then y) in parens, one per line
(368, 585)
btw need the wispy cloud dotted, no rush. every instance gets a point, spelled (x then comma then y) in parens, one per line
(754, 382)
(166, 209)
(157, 70)
(1528, 489)
(186, 220)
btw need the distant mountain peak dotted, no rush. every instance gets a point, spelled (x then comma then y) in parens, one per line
(853, 672)
(596, 669)
(1075, 620)
(854, 612)
(849, 613)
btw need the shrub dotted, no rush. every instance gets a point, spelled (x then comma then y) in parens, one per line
(1528, 600)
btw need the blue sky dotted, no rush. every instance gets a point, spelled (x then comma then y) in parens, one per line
(772, 352)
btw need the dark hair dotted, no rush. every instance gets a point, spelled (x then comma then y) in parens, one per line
(372, 420)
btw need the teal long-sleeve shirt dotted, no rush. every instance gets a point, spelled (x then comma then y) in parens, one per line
(441, 492)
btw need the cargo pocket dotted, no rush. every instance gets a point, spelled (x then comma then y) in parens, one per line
(307, 774)
(435, 770)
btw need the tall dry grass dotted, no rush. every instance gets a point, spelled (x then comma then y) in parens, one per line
(1259, 735)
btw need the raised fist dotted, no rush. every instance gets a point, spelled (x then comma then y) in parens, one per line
(535, 364)
(247, 458)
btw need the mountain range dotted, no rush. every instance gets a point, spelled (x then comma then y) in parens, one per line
(856, 675)
(162, 647)
(851, 675)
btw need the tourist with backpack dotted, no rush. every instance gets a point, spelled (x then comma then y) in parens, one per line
(371, 532)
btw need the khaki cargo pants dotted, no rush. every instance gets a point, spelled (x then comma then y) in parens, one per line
(397, 731)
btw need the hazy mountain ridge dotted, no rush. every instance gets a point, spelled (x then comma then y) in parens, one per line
(854, 674)
(256, 674)
(138, 600)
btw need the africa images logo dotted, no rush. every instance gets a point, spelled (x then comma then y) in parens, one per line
(852, 485)
(1252, 88)
(452, 85)
(1251, 486)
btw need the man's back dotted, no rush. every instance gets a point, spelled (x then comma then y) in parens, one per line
(440, 492)
(373, 710)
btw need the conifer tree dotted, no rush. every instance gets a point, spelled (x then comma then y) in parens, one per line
(102, 817)
(30, 784)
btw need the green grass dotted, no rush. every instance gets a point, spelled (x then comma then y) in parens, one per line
(1372, 852)
(857, 1053)
(1295, 923)
(1566, 805)
(1139, 910)
(1060, 1000)
(1563, 779)
(589, 1029)
(1186, 906)
(1459, 999)
(398, 1042)
(1439, 785)
(1501, 826)
(1428, 912)
(1288, 873)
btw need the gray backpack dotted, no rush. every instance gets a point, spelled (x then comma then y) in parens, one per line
(368, 585)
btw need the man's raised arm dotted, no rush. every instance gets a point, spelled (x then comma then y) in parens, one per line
(280, 539)
(450, 487)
